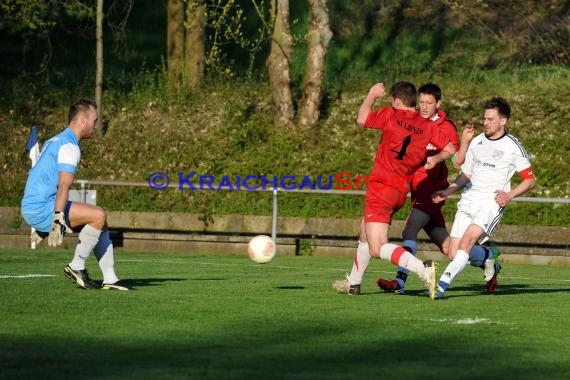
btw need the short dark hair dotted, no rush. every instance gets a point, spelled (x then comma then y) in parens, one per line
(80, 105)
(406, 92)
(501, 105)
(431, 89)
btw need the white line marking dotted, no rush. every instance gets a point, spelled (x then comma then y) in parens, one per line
(533, 278)
(472, 321)
(467, 321)
(31, 275)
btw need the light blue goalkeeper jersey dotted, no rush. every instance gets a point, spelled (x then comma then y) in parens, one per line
(59, 154)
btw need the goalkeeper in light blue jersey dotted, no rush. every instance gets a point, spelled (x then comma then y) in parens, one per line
(45, 205)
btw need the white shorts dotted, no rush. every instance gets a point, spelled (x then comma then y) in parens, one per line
(485, 214)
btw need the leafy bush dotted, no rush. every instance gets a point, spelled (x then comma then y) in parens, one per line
(226, 129)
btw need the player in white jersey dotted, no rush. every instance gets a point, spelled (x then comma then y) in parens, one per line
(491, 161)
(45, 205)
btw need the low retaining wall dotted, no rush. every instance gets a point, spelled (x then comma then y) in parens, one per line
(229, 234)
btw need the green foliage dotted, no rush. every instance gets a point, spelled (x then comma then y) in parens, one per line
(226, 128)
(235, 29)
(26, 15)
(531, 32)
(16, 222)
(306, 247)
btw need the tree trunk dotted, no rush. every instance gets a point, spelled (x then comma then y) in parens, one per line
(195, 42)
(279, 64)
(318, 41)
(175, 40)
(99, 61)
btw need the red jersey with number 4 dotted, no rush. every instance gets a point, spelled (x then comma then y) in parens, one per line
(403, 148)
(434, 179)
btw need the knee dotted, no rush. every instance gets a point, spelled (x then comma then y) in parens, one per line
(374, 251)
(375, 248)
(362, 237)
(100, 217)
(444, 249)
(362, 232)
(444, 246)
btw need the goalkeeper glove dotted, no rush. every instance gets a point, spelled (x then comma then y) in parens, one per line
(35, 238)
(58, 229)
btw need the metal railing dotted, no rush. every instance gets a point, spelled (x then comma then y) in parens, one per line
(275, 191)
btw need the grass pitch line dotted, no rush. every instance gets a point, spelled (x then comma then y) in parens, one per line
(466, 321)
(539, 279)
(30, 275)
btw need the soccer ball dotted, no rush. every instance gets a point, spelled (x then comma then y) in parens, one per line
(261, 249)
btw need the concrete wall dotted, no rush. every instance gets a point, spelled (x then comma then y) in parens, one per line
(229, 234)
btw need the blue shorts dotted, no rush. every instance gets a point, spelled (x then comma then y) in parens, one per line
(41, 218)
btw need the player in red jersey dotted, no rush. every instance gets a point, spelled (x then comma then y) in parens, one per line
(425, 213)
(402, 150)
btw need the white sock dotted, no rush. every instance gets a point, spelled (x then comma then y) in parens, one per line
(88, 238)
(399, 256)
(104, 253)
(453, 269)
(361, 261)
(413, 248)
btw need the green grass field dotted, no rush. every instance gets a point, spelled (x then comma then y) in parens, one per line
(224, 317)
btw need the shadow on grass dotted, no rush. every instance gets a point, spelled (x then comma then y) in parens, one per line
(478, 289)
(290, 287)
(303, 350)
(135, 283)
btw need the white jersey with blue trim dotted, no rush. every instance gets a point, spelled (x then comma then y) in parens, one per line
(491, 164)
(59, 154)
